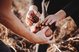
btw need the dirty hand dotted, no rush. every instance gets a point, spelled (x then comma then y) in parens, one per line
(32, 15)
(49, 20)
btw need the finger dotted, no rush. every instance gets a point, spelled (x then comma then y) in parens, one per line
(45, 20)
(29, 22)
(48, 21)
(45, 28)
(30, 17)
(51, 22)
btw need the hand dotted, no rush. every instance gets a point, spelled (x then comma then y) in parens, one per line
(49, 20)
(42, 39)
(32, 15)
(53, 18)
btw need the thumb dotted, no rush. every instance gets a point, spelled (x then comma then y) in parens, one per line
(45, 29)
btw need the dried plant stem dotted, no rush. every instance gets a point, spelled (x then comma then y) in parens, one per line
(56, 47)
